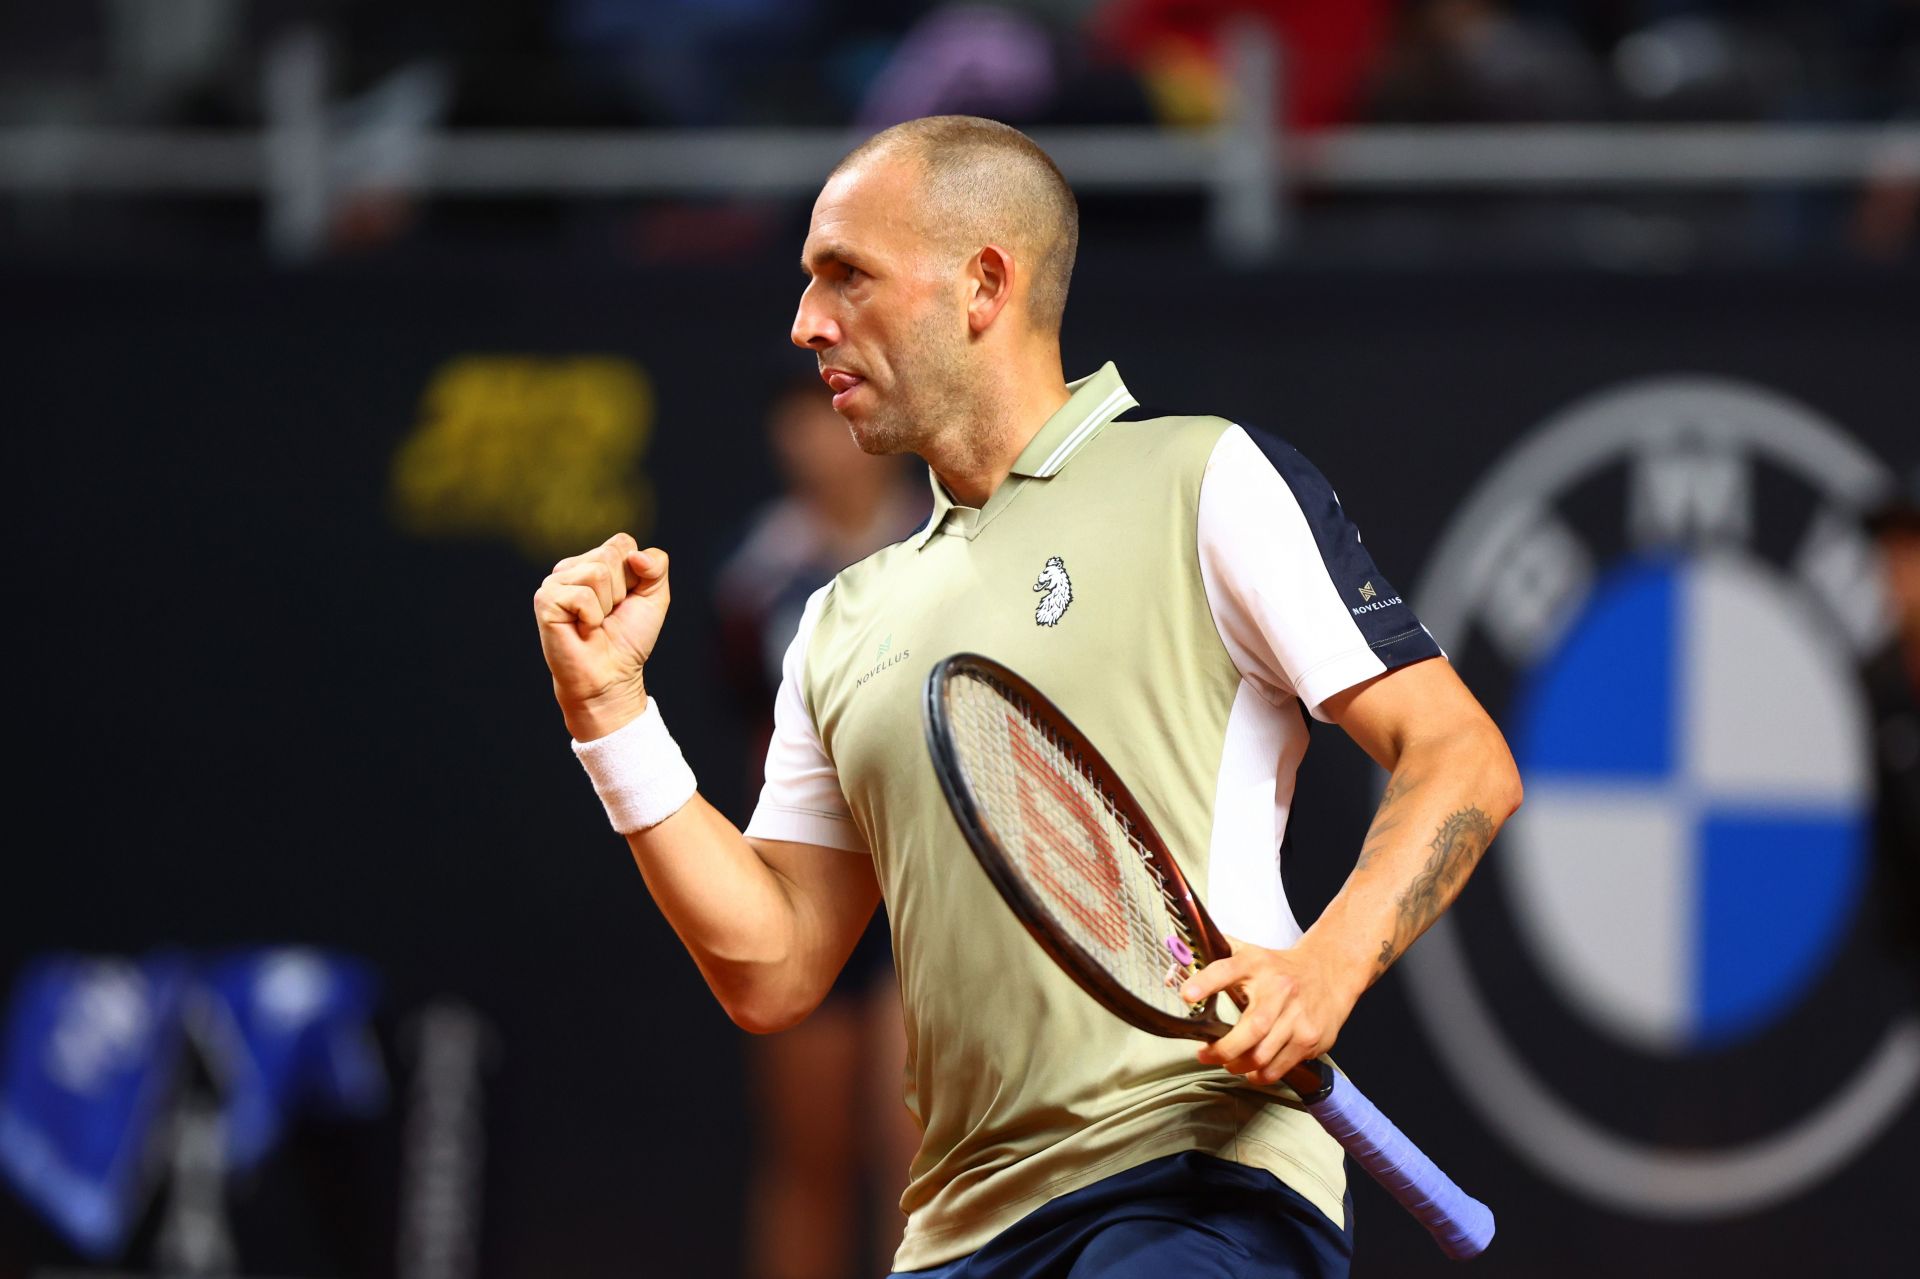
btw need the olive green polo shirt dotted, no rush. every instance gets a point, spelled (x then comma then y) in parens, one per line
(1182, 592)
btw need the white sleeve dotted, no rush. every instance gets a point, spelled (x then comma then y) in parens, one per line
(801, 800)
(1299, 603)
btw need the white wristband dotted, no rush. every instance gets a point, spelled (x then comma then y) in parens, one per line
(638, 772)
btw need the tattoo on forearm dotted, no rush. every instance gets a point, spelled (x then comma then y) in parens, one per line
(1457, 847)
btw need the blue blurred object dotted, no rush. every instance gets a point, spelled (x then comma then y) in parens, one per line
(96, 1056)
(91, 1052)
(287, 1036)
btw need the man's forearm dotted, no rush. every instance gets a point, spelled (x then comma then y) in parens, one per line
(1443, 804)
(721, 898)
(768, 923)
(761, 954)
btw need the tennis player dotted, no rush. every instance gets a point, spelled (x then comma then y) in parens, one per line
(1188, 591)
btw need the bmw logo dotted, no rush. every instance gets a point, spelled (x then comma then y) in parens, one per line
(1663, 594)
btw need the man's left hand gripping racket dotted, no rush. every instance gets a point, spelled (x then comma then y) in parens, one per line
(1083, 868)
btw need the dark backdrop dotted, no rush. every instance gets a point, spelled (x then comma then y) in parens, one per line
(248, 707)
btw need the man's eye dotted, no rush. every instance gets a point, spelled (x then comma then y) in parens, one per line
(854, 275)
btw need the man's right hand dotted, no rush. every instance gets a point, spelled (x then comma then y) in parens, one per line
(600, 616)
(769, 923)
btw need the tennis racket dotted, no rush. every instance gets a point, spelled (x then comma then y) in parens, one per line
(1078, 861)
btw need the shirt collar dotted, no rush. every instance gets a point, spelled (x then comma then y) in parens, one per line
(1095, 401)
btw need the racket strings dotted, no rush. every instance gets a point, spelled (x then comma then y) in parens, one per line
(1069, 840)
(1175, 908)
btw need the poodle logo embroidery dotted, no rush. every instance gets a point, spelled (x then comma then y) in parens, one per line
(1058, 586)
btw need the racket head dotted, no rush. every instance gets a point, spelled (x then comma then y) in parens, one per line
(1067, 845)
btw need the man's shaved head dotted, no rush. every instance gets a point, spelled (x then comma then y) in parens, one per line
(983, 182)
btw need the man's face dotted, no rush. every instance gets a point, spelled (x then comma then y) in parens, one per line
(883, 310)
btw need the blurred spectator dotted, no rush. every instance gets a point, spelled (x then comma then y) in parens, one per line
(1026, 62)
(832, 1121)
(1327, 49)
(1893, 685)
(965, 59)
(687, 61)
(840, 506)
(384, 138)
(1476, 61)
(398, 72)
(1707, 68)
(1886, 219)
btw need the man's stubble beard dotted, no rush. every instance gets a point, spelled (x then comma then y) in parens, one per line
(930, 392)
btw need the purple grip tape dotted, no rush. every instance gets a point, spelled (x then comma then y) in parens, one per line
(1459, 1223)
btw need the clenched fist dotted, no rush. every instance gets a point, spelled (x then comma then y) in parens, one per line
(600, 616)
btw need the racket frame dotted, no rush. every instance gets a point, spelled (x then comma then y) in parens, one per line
(1460, 1224)
(996, 856)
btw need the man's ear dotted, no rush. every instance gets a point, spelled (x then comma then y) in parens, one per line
(993, 273)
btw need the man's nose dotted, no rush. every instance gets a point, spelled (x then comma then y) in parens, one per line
(813, 328)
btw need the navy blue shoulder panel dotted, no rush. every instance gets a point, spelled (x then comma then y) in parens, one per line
(1391, 630)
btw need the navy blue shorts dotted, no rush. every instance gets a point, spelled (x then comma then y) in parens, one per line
(1189, 1215)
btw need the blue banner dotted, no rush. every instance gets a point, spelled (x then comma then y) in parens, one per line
(96, 1054)
(91, 1051)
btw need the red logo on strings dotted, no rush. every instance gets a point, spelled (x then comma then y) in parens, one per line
(1089, 856)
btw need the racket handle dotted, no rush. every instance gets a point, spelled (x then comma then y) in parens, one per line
(1459, 1223)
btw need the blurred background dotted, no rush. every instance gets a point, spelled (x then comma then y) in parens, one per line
(327, 325)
